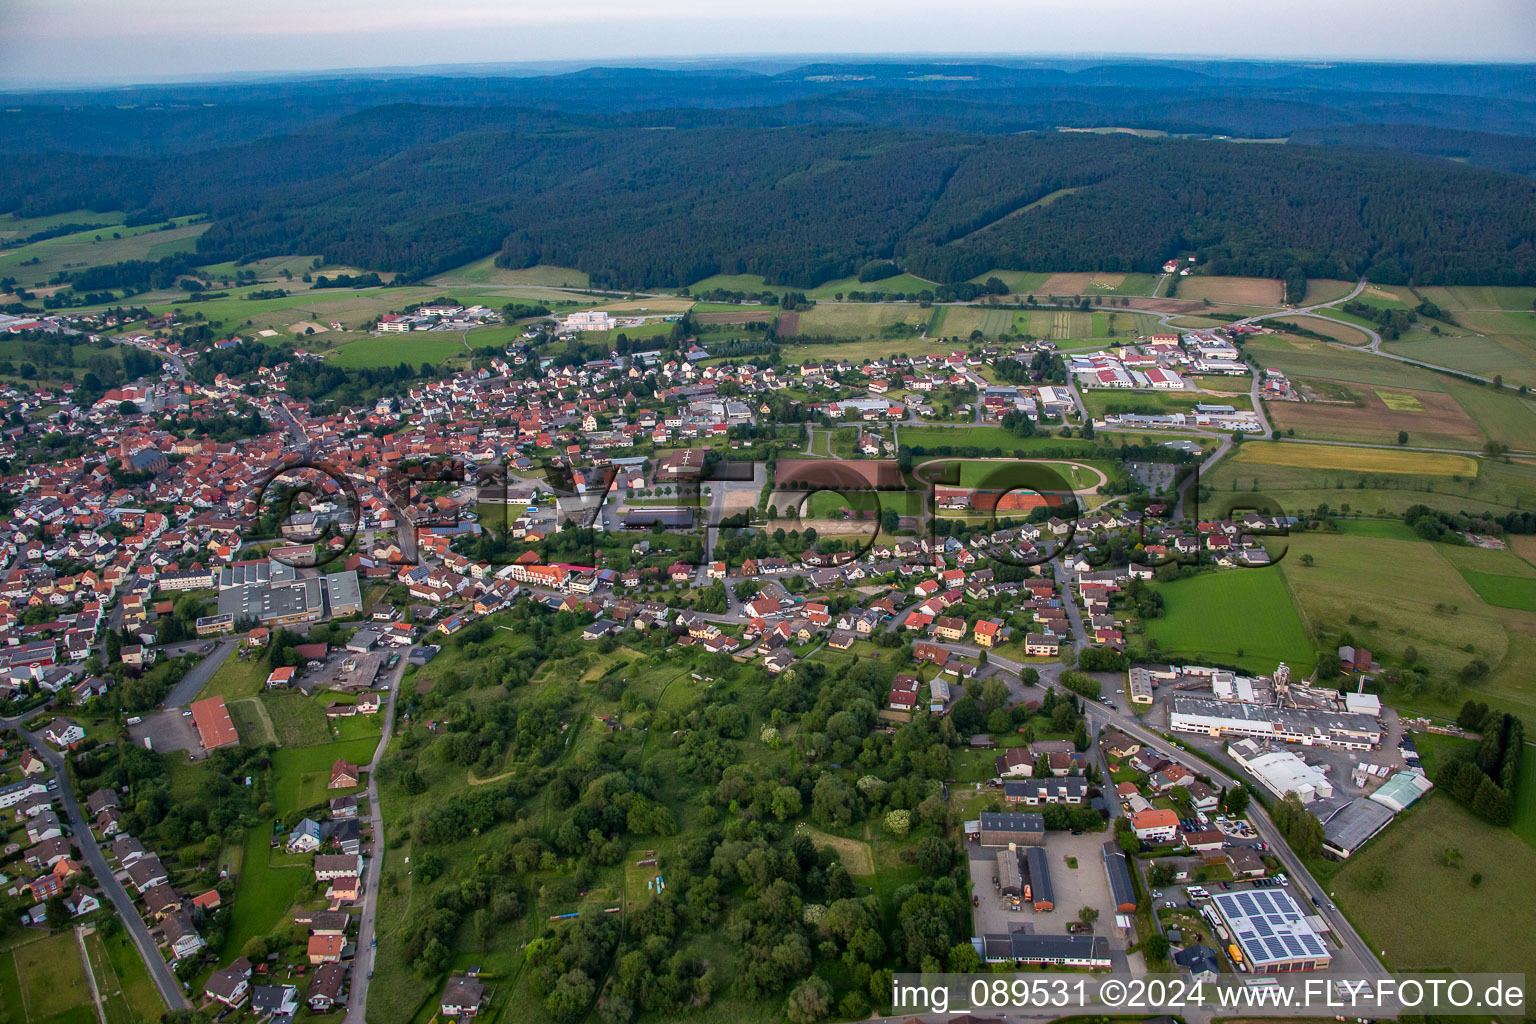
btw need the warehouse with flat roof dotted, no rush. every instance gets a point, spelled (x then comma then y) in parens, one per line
(1352, 825)
(1217, 718)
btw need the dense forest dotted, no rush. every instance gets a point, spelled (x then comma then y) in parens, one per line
(819, 185)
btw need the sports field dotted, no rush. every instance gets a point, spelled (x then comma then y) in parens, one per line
(1426, 916)
(1365, 460)
(1241, 617)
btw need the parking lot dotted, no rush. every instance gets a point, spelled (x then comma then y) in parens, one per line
(167, 731)
(1083, 886)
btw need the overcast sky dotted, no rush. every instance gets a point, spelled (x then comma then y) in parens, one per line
(67, 41)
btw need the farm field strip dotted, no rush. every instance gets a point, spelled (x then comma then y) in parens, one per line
(1369, 460)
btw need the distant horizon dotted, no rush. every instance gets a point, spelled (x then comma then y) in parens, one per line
(70, 44)
(566, 66)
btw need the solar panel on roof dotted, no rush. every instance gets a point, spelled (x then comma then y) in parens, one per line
(1261, 925)
(1276, 948)
(1314, 945)
(1291, 944)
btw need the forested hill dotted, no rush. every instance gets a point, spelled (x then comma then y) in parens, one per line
(420, 190)
(657, 179)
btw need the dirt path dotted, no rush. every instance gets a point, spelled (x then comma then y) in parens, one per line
(90, 975)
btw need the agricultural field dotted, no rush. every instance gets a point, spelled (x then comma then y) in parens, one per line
(14, 227)
(1499, 415)
(1387, 489)
(1243, 617)
(891, 322)
(1393, 594)
(1351, 460)
(1323, 289)
(1023, 282)
(904, 284)
(1375, 415)
(1097, 283)
(1501, 578)
(736, 283)
(1233, 291)
(960, 321)
(1465, 297)
(485, 272)
(96, 247)
(1508, 355)
(1425, 916)
(1328, 328)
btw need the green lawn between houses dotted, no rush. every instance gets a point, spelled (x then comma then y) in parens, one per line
(1242, 617)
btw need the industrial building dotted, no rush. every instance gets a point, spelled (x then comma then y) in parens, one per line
(1401, 790)
(1352, 826)
(343, 594)
(1281, 771)
(1005, 829)
(1120, 888)
(1042, 893)
(1216, 718)
(1028, 948)
(1271, 931)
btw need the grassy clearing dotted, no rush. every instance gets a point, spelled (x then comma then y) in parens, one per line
(735, 283)
(1430, 917)
(1243, 617)
(855, 854)
(298, 721)
(236, 679)
(1524, 824)
(985, 437)
(12, 226)
(410, 349)
(138, 988)
(263, 893)
(52, 976)
(1461, 297)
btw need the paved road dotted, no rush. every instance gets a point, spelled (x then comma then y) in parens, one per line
(159, 970)
(183, 692)
(362, 962)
